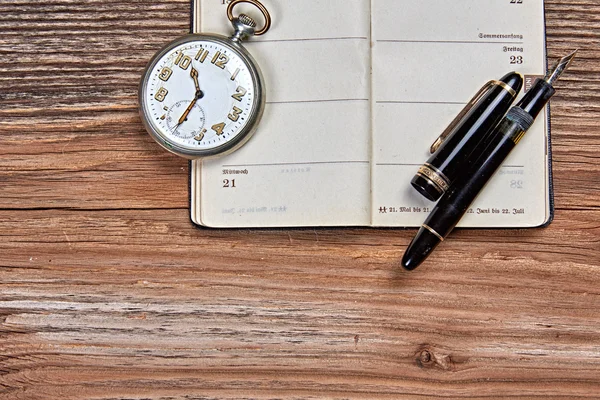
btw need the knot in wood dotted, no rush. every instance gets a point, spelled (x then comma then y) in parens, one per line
(425, 357)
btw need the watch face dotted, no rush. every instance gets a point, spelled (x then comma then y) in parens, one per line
(201, 96)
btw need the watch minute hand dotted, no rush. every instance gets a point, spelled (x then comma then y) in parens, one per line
(186, 112)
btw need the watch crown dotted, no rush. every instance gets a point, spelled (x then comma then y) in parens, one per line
(246, 20)
(244, 27)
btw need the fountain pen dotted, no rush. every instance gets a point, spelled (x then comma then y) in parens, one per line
(455, 202)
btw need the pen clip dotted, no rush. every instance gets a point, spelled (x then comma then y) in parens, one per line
(438, 142)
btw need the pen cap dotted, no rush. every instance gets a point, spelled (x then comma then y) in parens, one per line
(453, 150)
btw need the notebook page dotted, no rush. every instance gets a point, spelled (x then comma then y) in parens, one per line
(308, 162)
(429, 58)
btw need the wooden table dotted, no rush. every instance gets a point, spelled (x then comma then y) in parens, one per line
(107, 291)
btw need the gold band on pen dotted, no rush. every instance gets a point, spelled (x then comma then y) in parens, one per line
(505, 87)
(435, 176)
(434, 232)
(516, 139)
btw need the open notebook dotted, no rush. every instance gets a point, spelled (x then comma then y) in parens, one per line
(357, 91)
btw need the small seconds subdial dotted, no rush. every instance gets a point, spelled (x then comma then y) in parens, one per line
(186, 120)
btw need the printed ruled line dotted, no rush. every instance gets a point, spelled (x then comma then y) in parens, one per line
(314, 101)
(448, 41)
(418, 165)
(311, 39)
(398, 165)
(296, 163)
(420, 102)
(337, 162)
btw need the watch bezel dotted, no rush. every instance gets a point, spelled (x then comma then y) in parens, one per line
(247, 130)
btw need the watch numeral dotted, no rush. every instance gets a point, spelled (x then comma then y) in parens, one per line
(165, 74)
(161, 94)
(235, 74)
(200, 136)
(201, 56)
(183, 61)
(218, 128)
(220, 60)
(235, 114)
(240, 93)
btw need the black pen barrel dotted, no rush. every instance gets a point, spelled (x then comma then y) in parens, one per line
(455, 203)
(536, 99)
(466, 136)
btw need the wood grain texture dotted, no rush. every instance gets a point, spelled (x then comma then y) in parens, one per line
(108, 292)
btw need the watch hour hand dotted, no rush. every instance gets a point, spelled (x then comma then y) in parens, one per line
(194, 75)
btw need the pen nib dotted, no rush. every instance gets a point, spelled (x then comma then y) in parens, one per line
(559, 68)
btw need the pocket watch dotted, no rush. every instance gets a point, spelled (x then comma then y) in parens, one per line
(202, 95)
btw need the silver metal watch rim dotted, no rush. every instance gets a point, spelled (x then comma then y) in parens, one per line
(253, 119)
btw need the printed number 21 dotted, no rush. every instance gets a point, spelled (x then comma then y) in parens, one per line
(227, 183)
